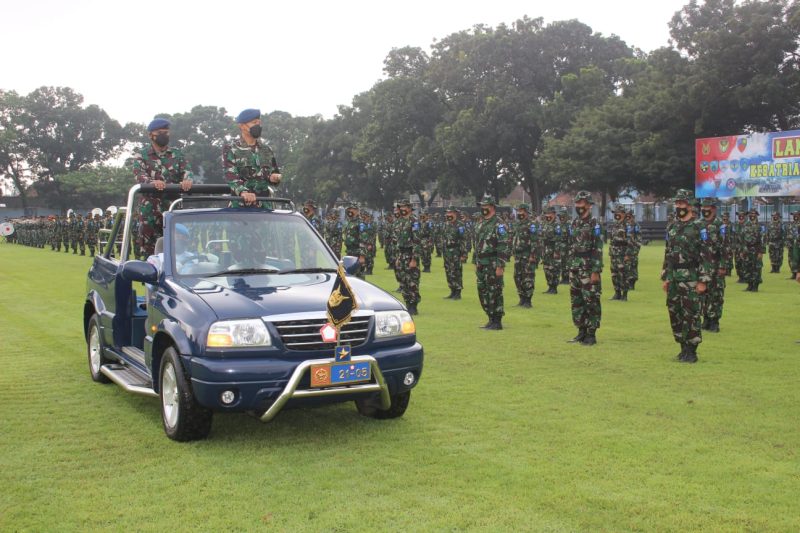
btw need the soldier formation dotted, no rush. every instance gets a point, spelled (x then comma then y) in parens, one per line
(73, 232)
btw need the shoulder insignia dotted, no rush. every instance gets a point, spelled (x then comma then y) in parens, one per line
(461, 230)
(597, 230)
(415, 226)
(704, 234)
(362, 227)
(558, 229)
(723, 229)
(533, 228)
(501, 229)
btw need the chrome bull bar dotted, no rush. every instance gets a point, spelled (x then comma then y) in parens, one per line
(290, 390)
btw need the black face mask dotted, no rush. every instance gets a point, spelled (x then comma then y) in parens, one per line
(450, 218)
(581, 211)
(753, 218)
(706, 213)
(617, 217)
(351, 214)
(255, 131)
(522, 216)
(405, 212)
(306, 210)
(162, 139)
(681, 212)
(485, 212)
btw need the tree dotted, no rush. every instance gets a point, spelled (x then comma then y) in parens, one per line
(99, 186)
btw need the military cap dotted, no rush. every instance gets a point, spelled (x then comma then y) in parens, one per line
(487, 199)
(683, 194)
(619, 208)
(629, 212)
(352, 205)
(549, 209)
(741, 213)
(405, 202)
(310, 203)
(708, 202)
(526, 207)
(247, 115)
(158, 124)
(451, 207)
(753, 211)
(584, 195)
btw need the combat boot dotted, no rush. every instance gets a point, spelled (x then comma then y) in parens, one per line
(691, 354)
(589, 339)
(579, 337)
(755, 287)
(553, 289)
(450, 296)
(633, 285)
(489, 323)
(426, 269)
(682, 353)
(527, 302)
(495, 323)
(749, 287)
(457, 294)
(412, 309)
(713, 327)
(616, 296)
(521, 301)
(624, 296)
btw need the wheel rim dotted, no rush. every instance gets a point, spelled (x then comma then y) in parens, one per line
(94, 350)
(169, 395)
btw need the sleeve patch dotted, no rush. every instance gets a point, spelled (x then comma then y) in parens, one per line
(533, 229)
(362, 227)
(723, 229)
(704, 234)
(597, 230)
(461, 230)
(501, 229)
(415, 226)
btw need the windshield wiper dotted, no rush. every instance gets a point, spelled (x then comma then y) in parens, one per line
(243, 271)
(307, 270)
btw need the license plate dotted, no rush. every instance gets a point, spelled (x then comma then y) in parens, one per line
(330, 375)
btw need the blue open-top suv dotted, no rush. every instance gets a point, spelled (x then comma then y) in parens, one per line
(229, 314)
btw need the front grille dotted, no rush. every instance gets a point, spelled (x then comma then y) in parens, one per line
(304, 334)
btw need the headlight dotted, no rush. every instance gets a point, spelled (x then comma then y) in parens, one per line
(238, 333)
(393, 324)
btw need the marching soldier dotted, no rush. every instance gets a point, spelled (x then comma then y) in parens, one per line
(619, 254)
(249, 164)
(491, 255)
(586, 266)
(157, 164)
(409, 252)
(752, 241)
(686, 272)
(525, 243)
(551, 256)
(776, 239)
(454, 249)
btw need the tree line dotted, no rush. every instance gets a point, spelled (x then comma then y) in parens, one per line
(551, 107)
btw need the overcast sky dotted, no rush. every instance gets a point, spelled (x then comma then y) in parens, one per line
(136, 59)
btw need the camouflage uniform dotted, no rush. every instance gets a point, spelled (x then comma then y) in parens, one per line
(635, 245)
(409, 248)
(248, 168)
(454, 249)
(619, 254)
(551, 256)
(387, 232)
(753, 248)
(354, 234)
(738, 246)
(491, 253)
(333, 232)
(91, 233)
(687, 261)
(587, 259)
(426, 236)
(564, 240)
(715, 238)
(776, 239)
(793, 243)
(525, 243)
(370, 237)
(150, 165)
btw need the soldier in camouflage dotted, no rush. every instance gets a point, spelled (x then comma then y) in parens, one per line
(715, 239)
(409, 252)
(753, 248)
(564, 240)
(619, 254)
(635, 246)
(776, 240)
(551, 255)
(249, 164)
(525, 243)
(387, 232)
(686, 271)
(586, 266)
(91, 232)
(491, 255)
(793, 243)
(738, 245)
(333, 232)
(310, 212)
(157, 164)
(370, 237)
(354, 236)
(426, 234)
(454, 249)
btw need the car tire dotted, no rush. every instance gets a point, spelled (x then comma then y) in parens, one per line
(370, 406)
(183, 418)
(94, 351)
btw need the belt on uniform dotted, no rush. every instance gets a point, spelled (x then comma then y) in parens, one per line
(583, 254)
(684, 265)
(484, 256)
(409, 249)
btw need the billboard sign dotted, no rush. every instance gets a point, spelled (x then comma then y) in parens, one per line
(759, 164)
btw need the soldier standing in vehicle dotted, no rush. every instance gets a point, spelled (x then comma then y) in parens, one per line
(686, 272)
(525, 242)
(157, 164)
(776, 239)
(586, 266)
(249, 164)
(409, 252)
(551, 256)
(454, 250)
(491, 255)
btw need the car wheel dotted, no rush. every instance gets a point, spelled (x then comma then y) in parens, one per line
(184, 419)
(94, 348)
(370, 406)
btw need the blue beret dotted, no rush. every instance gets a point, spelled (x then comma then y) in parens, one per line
(158, 124)
(247, 115)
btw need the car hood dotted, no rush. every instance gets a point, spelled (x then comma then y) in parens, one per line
(261, 295)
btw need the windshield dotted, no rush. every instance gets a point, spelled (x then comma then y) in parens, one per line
(223, 243)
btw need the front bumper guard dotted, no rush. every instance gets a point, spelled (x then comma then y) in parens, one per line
(290, 391)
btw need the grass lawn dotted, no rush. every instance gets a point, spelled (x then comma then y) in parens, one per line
(508, 430)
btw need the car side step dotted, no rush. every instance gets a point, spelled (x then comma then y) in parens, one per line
(129, 379)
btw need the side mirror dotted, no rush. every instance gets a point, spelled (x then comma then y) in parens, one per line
(139, 271)
(351, 265)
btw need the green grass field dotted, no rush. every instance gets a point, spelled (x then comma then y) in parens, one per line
(507, 431)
